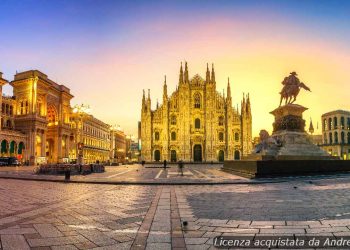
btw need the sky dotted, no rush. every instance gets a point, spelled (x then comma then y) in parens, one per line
(106, 52)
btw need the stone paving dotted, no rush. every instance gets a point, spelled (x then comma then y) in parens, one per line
(47, 215)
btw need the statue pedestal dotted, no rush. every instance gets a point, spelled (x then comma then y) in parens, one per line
(289, 132)
(289, 117)
(288, 151)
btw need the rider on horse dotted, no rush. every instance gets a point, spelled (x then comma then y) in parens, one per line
(291, 88)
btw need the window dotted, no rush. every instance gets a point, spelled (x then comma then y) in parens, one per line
(348, 124)
(348, 137)
(221, 136)
(236, 137)
(329, 123)
(325, 138)
(173, 120)
(197, 101)
(197, 123)
(156, 136)
(330, 138)
(173, 136)
(324, 124)
(221, 121)
(342, 122)
(335, 137)
(335, 119)
(342, 138)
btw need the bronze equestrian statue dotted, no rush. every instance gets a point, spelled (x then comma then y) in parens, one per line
(291, 88)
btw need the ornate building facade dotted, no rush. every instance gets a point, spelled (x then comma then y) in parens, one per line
(38, 124)
(13, 143)
(93, 135)
(195, 123)
(336, 133)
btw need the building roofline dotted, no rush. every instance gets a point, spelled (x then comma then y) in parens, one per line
(338, 111)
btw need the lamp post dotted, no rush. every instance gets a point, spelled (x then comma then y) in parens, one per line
(80, 110)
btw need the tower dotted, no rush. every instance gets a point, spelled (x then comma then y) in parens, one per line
(146, 128)
(246, 121)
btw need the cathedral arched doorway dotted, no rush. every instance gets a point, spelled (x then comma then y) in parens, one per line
(237, 155)
(173, 156)
(197, 153)
(221, 156)
(157, 155)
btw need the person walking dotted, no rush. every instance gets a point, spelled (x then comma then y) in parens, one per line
(164, 164)
(181, 166)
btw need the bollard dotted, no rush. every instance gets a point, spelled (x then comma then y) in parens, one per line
(67, 175)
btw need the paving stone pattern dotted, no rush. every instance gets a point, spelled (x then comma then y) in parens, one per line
(44, 215)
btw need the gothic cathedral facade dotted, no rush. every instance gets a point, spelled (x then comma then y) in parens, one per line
(195, 123)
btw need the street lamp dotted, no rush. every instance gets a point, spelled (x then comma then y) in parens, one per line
(80, 110)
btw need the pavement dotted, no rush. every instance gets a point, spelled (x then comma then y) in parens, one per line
(53, 215)
(137, 174)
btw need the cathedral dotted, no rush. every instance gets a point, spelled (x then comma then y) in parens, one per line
(196, 123)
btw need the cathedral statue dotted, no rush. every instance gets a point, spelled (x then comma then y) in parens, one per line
(291, 88)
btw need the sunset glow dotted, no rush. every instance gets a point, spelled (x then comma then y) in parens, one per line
(117, 49)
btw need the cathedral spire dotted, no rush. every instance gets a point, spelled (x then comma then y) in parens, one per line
(187, 80)
(243, 106)
(181, 77)
(311, 127)
(212, 73)
(143, 100)
(248, 105)
(208, 74)
(165, 91)
(228, 88)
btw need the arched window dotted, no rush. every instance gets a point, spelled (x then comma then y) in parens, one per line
(336, 137)
(236, 137)
(342, 122)
(325, 138)
(330, 138)
(197, 123)
(342, 138)
(335, 119)
(348, 123)
(348, 137)
(173, 136)
(7, 109)
(324, 124)
(173, 120)
(329, 123)
(221, 120)
(221, 136)
(156, 136)
(11, 110)
(197, 101)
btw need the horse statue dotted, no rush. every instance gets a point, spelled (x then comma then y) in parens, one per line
(291, 88)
